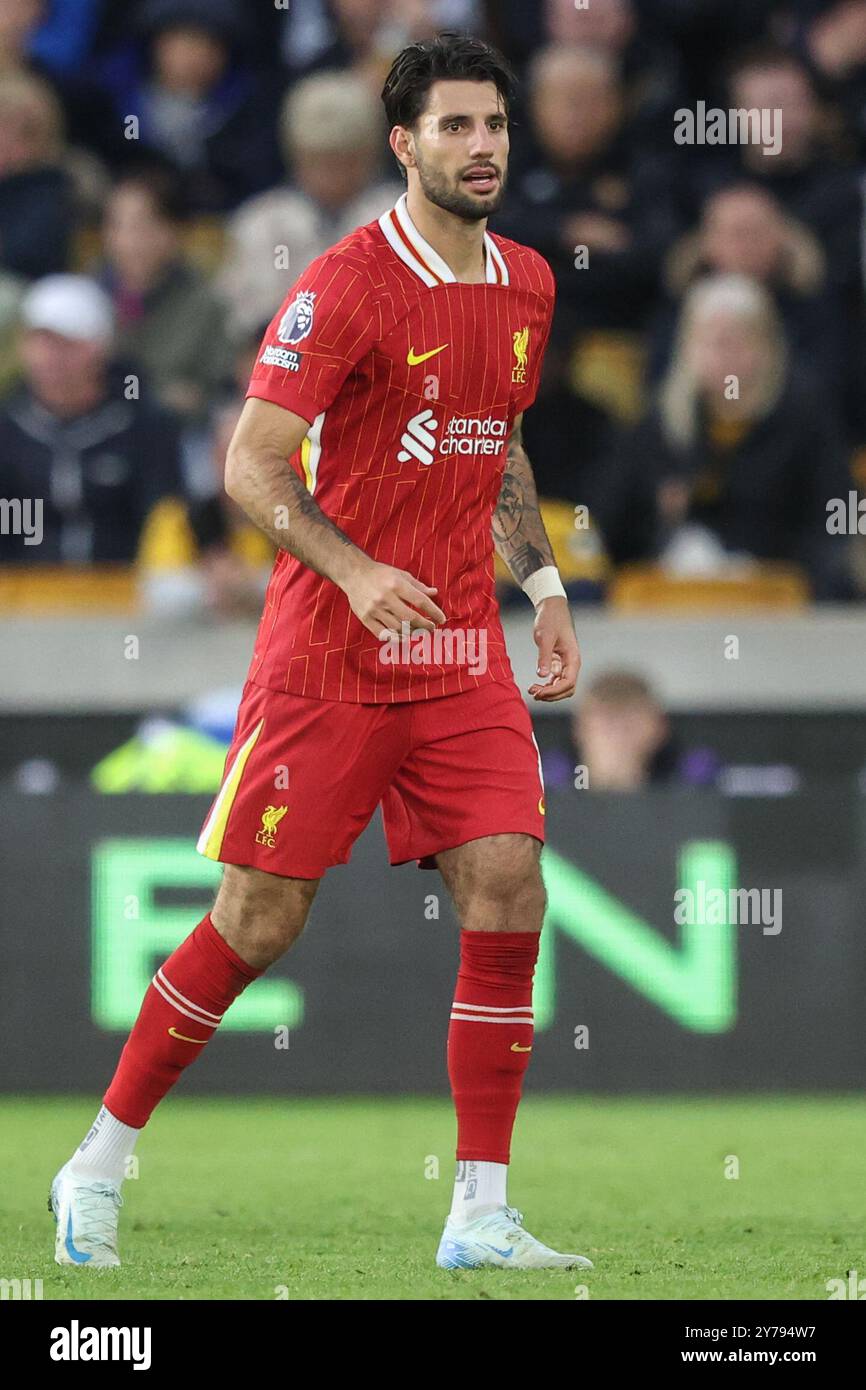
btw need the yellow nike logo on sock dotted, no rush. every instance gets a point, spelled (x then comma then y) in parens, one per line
(174, 1033)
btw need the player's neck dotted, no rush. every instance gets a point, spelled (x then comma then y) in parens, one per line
(459, 243)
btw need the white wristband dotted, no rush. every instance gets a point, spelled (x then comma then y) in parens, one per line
(544, 583)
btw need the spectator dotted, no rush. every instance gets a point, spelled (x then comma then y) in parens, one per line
(619, 731)
(650, 67)
(815, 188)
(36, 199)
(197, 103)
(621, 741)
(53, 42)
(332, 138)
(170, 322)
(365, 35)
(743, 230)
(651, 70)
(583, 186)
(70, 439)
(834, 43)
(814, 185)
(736, 458)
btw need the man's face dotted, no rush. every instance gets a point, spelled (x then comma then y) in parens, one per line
(576, 108)
(722, 343)
(618, 740)
(607, 24)
(57, 368)
(460, 147)
(135, 235)
(334, 177)
(189, 59)
(743, 232)
(786, 89)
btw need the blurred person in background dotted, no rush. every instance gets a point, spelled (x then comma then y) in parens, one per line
(744, 230)
(365, 35)
(814, 178)
(622, 740)
(584, 186)
(182, 73)
(170, 322)
(37, 211)
(69, 437)
(832, 39)
(53, 41)
(807, 175)
(619, 729)
(650, 66)
(331, 135)
(737, 458)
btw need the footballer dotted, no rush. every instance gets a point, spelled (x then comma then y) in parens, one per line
(380, 449)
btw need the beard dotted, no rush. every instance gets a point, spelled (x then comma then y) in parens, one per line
(438, 189)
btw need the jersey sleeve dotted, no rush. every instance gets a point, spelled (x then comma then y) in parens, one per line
(323, 328)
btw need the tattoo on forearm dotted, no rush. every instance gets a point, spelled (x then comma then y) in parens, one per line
(309, 509)
(282, 507)
(518, 530)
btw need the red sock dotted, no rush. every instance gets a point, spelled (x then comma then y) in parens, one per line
(181, 1010)
(490, 1038)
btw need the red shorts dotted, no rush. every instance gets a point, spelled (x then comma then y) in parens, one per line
(303, 777)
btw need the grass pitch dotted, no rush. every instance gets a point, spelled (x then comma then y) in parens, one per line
(339, 1199)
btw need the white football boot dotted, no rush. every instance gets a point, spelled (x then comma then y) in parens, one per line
(497, 1238)
(86, 1216)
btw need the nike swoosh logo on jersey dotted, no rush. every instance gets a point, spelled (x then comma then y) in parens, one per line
(515, 1047)
(414, 360)
(183, 1038)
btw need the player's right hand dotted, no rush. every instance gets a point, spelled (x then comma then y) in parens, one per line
(384, 598)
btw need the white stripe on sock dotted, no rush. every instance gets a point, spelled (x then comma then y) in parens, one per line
(196, 1018)
(481, 1018)
(492, 1008)
(183, 999)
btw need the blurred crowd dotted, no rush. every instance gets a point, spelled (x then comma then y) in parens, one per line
(169, 167)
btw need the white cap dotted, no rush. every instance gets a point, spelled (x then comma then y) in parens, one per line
(71, 305)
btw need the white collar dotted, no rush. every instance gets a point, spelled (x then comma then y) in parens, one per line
(404, 238)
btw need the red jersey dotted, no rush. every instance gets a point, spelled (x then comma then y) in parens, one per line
(411, 382)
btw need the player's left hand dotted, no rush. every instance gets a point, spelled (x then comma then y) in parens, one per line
(558, 652)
